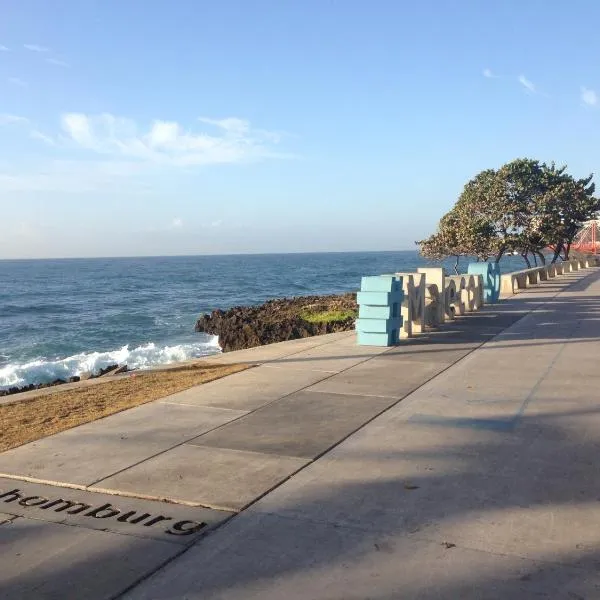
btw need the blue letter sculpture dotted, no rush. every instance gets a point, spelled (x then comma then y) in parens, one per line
(491, 279)
(379, 319)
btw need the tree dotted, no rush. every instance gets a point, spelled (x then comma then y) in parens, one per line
(525, 207)
(459, 235)
(570, 203)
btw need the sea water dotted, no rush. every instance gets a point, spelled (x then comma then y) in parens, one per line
(59, 318)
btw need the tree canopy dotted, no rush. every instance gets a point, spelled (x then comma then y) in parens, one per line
(525, 206)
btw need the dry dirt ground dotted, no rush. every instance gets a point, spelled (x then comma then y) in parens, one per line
(35, 417)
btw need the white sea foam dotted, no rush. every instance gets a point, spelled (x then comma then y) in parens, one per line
(142, 357)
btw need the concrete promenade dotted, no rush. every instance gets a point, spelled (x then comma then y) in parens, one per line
(460, 464)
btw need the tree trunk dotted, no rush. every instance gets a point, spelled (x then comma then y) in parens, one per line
(534, 258)
(526, 259)
(557, 250)
(456, 265)
(542, 257)
(567, 250)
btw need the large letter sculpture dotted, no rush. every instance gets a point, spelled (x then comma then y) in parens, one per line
(413, 303)
(490, 273)
(379, 318)
(436, 276)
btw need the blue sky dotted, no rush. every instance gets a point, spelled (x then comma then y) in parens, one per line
(194, 127)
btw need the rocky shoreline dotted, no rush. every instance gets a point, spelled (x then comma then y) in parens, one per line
(279, 320)
(244, 327)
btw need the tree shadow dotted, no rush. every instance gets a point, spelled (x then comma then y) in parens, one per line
(497, 515)
(486, 515)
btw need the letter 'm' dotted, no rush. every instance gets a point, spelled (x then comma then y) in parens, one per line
(71, 508)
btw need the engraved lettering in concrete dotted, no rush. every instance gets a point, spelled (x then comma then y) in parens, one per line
(104, 511)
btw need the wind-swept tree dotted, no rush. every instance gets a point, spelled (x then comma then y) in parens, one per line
(525, 207)
(459, 234)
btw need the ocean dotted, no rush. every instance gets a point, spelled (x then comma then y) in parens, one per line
(59, 318)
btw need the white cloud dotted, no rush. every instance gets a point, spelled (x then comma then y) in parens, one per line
(216, 223)
(34, 134)
(17, 81)
(6, 119)
(167, 142)
(489, 74)
(589, 97)
(58, 62)
(528, 85)
(4, 48)
(108, 152)
(176, 223)
(36, 48)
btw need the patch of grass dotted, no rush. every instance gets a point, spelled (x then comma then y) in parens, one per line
(327, 316)
(36, 417)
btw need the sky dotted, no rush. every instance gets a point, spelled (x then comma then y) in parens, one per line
(152, 127)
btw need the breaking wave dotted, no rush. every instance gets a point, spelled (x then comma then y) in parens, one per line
(142, 357)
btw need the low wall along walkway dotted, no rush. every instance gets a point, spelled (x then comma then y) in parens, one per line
(513, 283)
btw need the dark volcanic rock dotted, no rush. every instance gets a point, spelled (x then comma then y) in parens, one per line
(32, 386)
(105, 370)
(110, 370)
(275, 321)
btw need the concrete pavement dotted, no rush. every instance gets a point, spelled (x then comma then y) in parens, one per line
(480, 483)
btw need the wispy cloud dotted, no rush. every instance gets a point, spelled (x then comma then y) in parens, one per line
(6, 119)
(233, 141)
(528, 85)
(57, 62)
(176, 223)
(36, 48)
(112, 153)
(589, 97)
(35, 134)
(17, 81)
(4, 48)
(489, 74)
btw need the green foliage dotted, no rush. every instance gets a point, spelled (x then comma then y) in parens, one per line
(327, 316)
(525, 207)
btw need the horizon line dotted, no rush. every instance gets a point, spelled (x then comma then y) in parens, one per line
(204, 255)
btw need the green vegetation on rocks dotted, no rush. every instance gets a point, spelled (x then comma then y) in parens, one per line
(327, 316)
